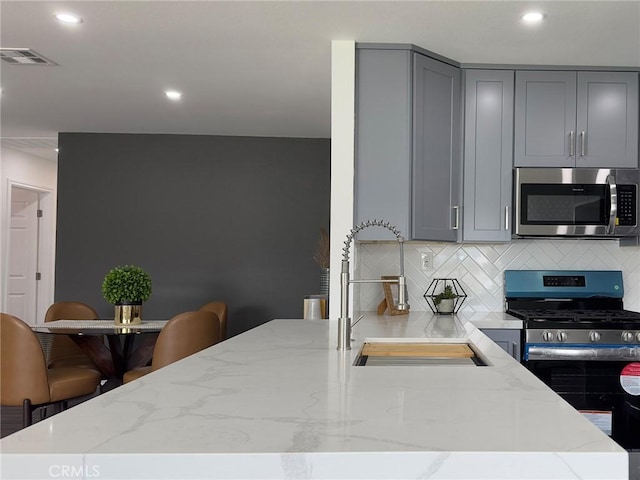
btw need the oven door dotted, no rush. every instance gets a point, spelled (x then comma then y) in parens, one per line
(594, 388)
(574, 202)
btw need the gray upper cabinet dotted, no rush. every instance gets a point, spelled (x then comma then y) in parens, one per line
(437, 160)
(383, 140)
(576, 119)
(488, 155)
(545, 114)
(607, 120)
(408, 142)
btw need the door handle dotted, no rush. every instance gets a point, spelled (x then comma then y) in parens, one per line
(506, 217)
(582, 143)
(613, 198)
(456, 217)
(572, 142)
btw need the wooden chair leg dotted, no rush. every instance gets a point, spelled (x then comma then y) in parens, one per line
(27, 413)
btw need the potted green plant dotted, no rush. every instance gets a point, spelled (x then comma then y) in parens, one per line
(127, 287)
(445, 300)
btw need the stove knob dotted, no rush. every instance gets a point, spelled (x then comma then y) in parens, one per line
(627, 336)
(594, 337)
(638, 336)
(547, 336)
(562, 336)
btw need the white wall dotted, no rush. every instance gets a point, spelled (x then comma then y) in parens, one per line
(21, 169)
(343, 71)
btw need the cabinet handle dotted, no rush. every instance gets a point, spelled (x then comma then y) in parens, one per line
(514, 350)
(572, 141)
(506, 217)
(456, 225)
(582, 144)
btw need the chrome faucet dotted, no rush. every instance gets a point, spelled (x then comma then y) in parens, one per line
(344, 322)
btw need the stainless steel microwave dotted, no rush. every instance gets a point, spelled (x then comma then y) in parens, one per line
(579, 202)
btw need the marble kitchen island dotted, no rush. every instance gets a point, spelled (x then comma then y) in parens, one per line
(280, 401)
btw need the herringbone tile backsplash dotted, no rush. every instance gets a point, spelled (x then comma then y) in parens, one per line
(479, 268)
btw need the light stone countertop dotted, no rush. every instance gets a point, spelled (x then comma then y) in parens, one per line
(482, 320)
(490, 320)
(280, 401)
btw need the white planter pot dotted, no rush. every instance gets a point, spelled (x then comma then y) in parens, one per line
(446, 305)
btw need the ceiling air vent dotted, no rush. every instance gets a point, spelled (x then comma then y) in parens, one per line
(23, 56)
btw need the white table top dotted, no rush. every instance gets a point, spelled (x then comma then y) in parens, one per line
(280, 401)
(101, 324)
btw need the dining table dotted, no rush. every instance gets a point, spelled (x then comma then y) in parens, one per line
(113, 348)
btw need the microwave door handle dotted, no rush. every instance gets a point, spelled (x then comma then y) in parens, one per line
(613, 212)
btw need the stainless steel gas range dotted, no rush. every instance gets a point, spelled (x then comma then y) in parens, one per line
(579, 340)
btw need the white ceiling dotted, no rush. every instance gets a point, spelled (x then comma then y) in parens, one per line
(260, 68)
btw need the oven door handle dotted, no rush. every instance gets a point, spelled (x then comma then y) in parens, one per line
(611, 354)
(613, 202)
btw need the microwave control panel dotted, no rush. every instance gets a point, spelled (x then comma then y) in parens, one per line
(627, 205)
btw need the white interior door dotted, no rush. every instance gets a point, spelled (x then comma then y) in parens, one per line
(22, 290)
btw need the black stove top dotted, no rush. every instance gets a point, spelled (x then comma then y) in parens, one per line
(578, 319)
(576, 315)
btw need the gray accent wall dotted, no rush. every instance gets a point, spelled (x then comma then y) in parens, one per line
(210, 218)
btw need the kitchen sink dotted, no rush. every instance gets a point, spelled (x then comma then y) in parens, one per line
(417, 354)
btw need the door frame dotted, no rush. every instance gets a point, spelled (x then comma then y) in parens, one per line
(46, 246)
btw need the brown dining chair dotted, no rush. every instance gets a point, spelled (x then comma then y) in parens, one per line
(24, 378)
(183, 335)
(64, 352)
(220, 309)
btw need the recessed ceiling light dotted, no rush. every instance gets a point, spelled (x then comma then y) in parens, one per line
(173, 95)
(67, 18)
(532, 17)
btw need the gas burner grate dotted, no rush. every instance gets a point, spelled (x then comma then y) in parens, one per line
(576, 315)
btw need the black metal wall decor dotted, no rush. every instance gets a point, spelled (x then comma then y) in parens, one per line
(445, 296)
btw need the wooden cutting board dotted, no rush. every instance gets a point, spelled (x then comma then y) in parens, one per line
(458, 350)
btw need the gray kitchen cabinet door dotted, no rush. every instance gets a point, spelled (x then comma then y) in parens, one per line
(437, 151)
(545, 119)
(507, 339)
(488, 155)
(576, 119)
(607, 119)
(383, 141)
